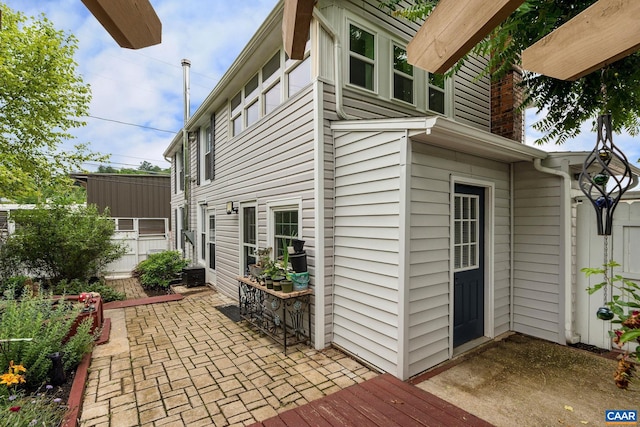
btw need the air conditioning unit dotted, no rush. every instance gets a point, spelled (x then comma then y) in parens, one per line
(193, 276)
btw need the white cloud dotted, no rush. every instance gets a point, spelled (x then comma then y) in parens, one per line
(144, 87)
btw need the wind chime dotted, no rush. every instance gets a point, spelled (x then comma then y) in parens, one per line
(604, 189)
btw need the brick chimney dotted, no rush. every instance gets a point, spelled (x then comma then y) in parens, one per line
(506, 96)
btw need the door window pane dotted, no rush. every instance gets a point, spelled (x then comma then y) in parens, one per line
(465, 224)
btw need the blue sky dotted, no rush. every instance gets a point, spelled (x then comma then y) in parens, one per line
(144, 87)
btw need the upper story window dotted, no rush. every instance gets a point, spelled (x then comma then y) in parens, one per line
(361, 57)
(436, 92)
(299, 76)
(236, 114)
(271, 81)
(280, 78)
(179, 168)
(402, 76)
(208, 153)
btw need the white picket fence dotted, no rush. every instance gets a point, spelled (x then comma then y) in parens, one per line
(624, 248)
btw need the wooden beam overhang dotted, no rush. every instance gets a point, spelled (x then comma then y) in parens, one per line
(132, 23)
(296, 20)
(453, 28)
(603, 33)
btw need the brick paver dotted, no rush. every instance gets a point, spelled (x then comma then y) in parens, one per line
(189, 365)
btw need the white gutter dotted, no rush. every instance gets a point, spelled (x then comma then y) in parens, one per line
(337, 63)
(565, 230)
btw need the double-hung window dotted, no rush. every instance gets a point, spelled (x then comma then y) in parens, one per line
(361, 58)
(435, 93)
(285, 228)
(208, 153)
(271, 82)
(402, 76)
(236, 114)
(252, 106)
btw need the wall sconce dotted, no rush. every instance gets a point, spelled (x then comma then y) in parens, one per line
(231, 208)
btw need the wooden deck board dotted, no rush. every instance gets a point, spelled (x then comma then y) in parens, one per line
(381, 401)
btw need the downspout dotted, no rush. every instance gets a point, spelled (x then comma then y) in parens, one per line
(337, 63)
(565, 211)
(186, 64)
(512, 245)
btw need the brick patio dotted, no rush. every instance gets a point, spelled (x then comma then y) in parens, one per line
(186, 364)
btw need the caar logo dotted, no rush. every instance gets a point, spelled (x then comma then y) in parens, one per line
(621, 417)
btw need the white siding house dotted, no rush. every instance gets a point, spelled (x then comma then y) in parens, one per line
(425, 233)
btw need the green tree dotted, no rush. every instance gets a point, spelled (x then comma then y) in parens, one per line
(566, 104)
(42, 97)
(60, 242)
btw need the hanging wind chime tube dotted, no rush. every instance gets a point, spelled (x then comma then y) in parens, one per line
(604, 189)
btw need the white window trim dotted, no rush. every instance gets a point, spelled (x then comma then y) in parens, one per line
(282, 205)
(289, 69)
(376, 56)
(242, 206)
(402, 46)
(489, 252)
(203, 225)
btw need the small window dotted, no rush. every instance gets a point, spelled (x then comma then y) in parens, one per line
(435, 94)
(236, 114)
(299, 77)
(272, 98)
(402, 76)
(252, 113)
(361, 57)
(285, 228)
(250, 87)
(271, 67)
(466, 231)
(208, 152)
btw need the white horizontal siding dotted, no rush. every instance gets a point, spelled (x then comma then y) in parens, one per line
(429, 296)
(271, 160)
(536, 253)
(366, 245)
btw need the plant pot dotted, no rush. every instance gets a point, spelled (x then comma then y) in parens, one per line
(300, 281)
(287, 286)
(276, 282)
(298, 262)
(297, 245)
(269, 283)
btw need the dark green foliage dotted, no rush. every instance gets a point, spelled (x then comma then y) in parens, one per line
(158, 270)
(61, 242)
(12, 285)
(76, 287)
(46, 322)
(565, 105)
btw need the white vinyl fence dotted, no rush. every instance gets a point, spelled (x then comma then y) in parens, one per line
(142, 236)
(624, 248)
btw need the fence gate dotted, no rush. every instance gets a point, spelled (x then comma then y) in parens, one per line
(142, 236)
(624, 248)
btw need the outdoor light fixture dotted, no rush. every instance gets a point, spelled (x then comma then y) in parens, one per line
(231, 208)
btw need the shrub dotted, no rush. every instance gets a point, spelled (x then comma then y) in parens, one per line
(76, 287)
(625, 306)
(61, 242)
(12, 285)
(158, 270)
(46, 322)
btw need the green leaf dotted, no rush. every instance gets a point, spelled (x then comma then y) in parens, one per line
(630, 335)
